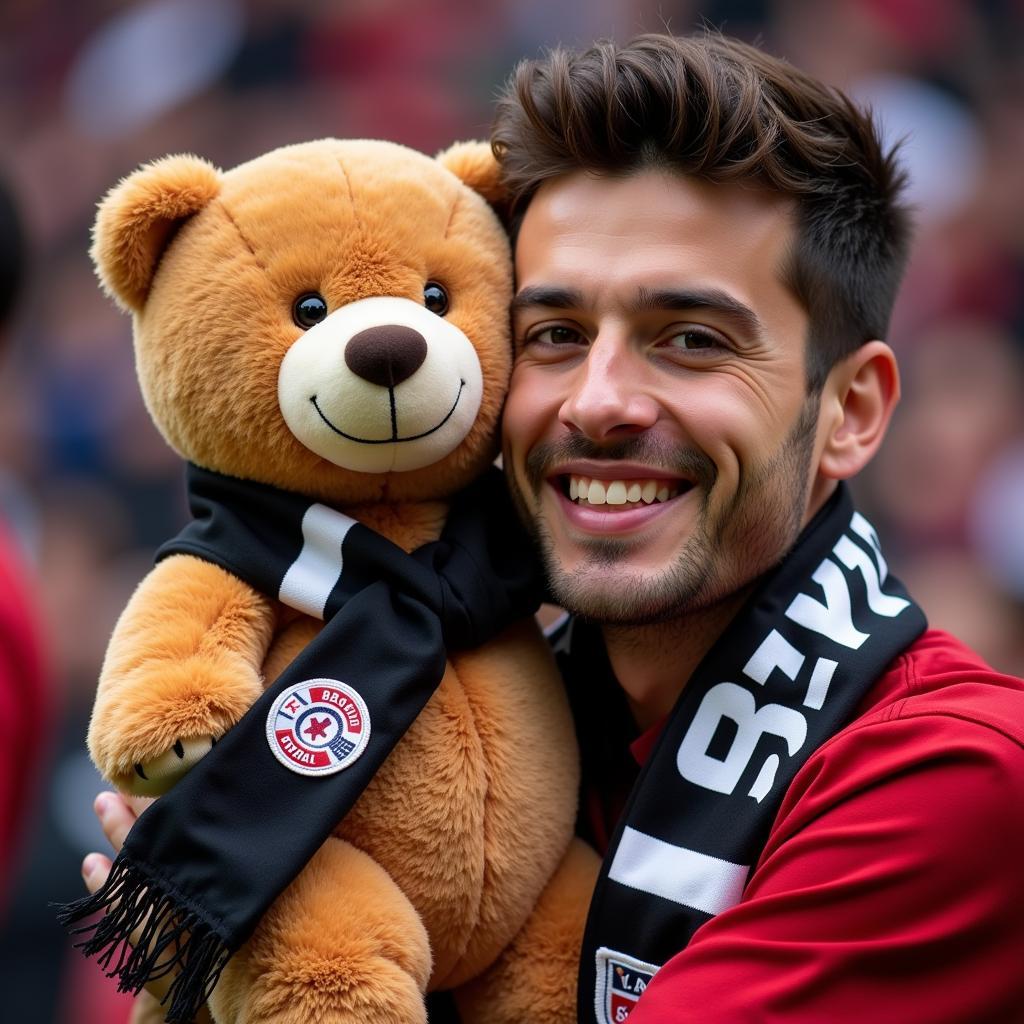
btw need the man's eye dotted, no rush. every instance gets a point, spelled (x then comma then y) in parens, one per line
(557, 335)
(691, 339)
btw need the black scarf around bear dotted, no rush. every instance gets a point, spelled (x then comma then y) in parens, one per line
(786, 675)
(206, 860)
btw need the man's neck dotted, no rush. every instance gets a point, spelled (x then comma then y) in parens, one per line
(653, 663)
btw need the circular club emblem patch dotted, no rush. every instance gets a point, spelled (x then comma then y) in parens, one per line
(318, 727)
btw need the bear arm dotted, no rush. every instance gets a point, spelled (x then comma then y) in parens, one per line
(183, 665)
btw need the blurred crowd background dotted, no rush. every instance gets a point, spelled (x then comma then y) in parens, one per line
(90, 89)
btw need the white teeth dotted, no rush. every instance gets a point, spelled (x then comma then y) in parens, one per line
(619, 492)
(616, 493)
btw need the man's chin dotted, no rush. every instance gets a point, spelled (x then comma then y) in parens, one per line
(613, 596)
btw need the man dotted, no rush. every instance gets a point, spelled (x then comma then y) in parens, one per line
(827, 825)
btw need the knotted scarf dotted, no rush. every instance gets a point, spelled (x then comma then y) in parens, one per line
(202, 864)
(786, 675)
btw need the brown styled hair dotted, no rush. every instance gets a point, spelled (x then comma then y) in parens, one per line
(717, 109)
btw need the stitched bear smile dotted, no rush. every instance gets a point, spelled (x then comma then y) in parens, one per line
(394, 438)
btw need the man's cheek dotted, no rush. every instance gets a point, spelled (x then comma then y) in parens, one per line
(518, 419)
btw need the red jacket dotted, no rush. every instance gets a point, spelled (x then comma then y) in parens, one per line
(891, 889)
(24, 707)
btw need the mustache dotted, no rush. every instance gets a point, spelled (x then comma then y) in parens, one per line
(683, 461)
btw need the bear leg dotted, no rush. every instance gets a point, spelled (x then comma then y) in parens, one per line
(535, 978)
(341, 945)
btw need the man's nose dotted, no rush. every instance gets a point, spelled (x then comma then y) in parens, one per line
(606, 397)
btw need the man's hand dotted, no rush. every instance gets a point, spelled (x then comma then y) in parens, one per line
(117, 814)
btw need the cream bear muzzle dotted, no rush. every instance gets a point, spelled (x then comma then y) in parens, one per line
(381, 385)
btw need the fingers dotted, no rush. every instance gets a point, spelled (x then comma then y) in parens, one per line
(116, 817)
(95, 869)
(117, 814)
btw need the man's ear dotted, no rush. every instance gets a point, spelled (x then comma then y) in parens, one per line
(475, 164)
(137, 217)
(858, 400)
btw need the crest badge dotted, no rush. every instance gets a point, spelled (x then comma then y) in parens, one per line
(621, 981)
(318, 727)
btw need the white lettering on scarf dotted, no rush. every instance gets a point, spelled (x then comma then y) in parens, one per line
(831, 618)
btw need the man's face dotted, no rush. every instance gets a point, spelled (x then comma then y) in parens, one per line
(659, 439)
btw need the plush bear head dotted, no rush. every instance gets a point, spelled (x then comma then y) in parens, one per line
(330, 318)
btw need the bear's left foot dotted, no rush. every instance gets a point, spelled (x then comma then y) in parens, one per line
(342, 945)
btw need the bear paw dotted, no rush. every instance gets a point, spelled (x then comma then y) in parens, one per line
(150, 727)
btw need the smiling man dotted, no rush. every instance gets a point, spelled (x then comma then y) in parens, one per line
(810, 806)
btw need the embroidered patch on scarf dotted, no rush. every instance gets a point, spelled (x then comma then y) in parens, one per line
(621, 981)
(318, 727)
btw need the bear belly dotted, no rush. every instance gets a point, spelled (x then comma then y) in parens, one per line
(472, 810)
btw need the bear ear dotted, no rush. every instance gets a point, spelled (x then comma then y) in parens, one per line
(476, 165)
(136, 219)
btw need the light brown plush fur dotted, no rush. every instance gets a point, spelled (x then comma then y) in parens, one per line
(463, 839)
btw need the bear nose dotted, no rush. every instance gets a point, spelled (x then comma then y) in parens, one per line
(386, 355)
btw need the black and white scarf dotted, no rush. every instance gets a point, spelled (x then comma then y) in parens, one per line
(207, 859)
(786, 675)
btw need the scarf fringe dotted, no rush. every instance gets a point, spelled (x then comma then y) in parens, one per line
(171, 940)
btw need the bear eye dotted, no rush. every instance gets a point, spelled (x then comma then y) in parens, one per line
(435, 298)
(309, 310)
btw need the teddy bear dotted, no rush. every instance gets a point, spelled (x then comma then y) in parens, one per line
(377, 280)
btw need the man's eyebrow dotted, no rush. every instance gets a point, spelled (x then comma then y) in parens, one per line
(547, 295)
(709, 299)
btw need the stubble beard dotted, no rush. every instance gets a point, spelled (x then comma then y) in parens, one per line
(726, 552)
